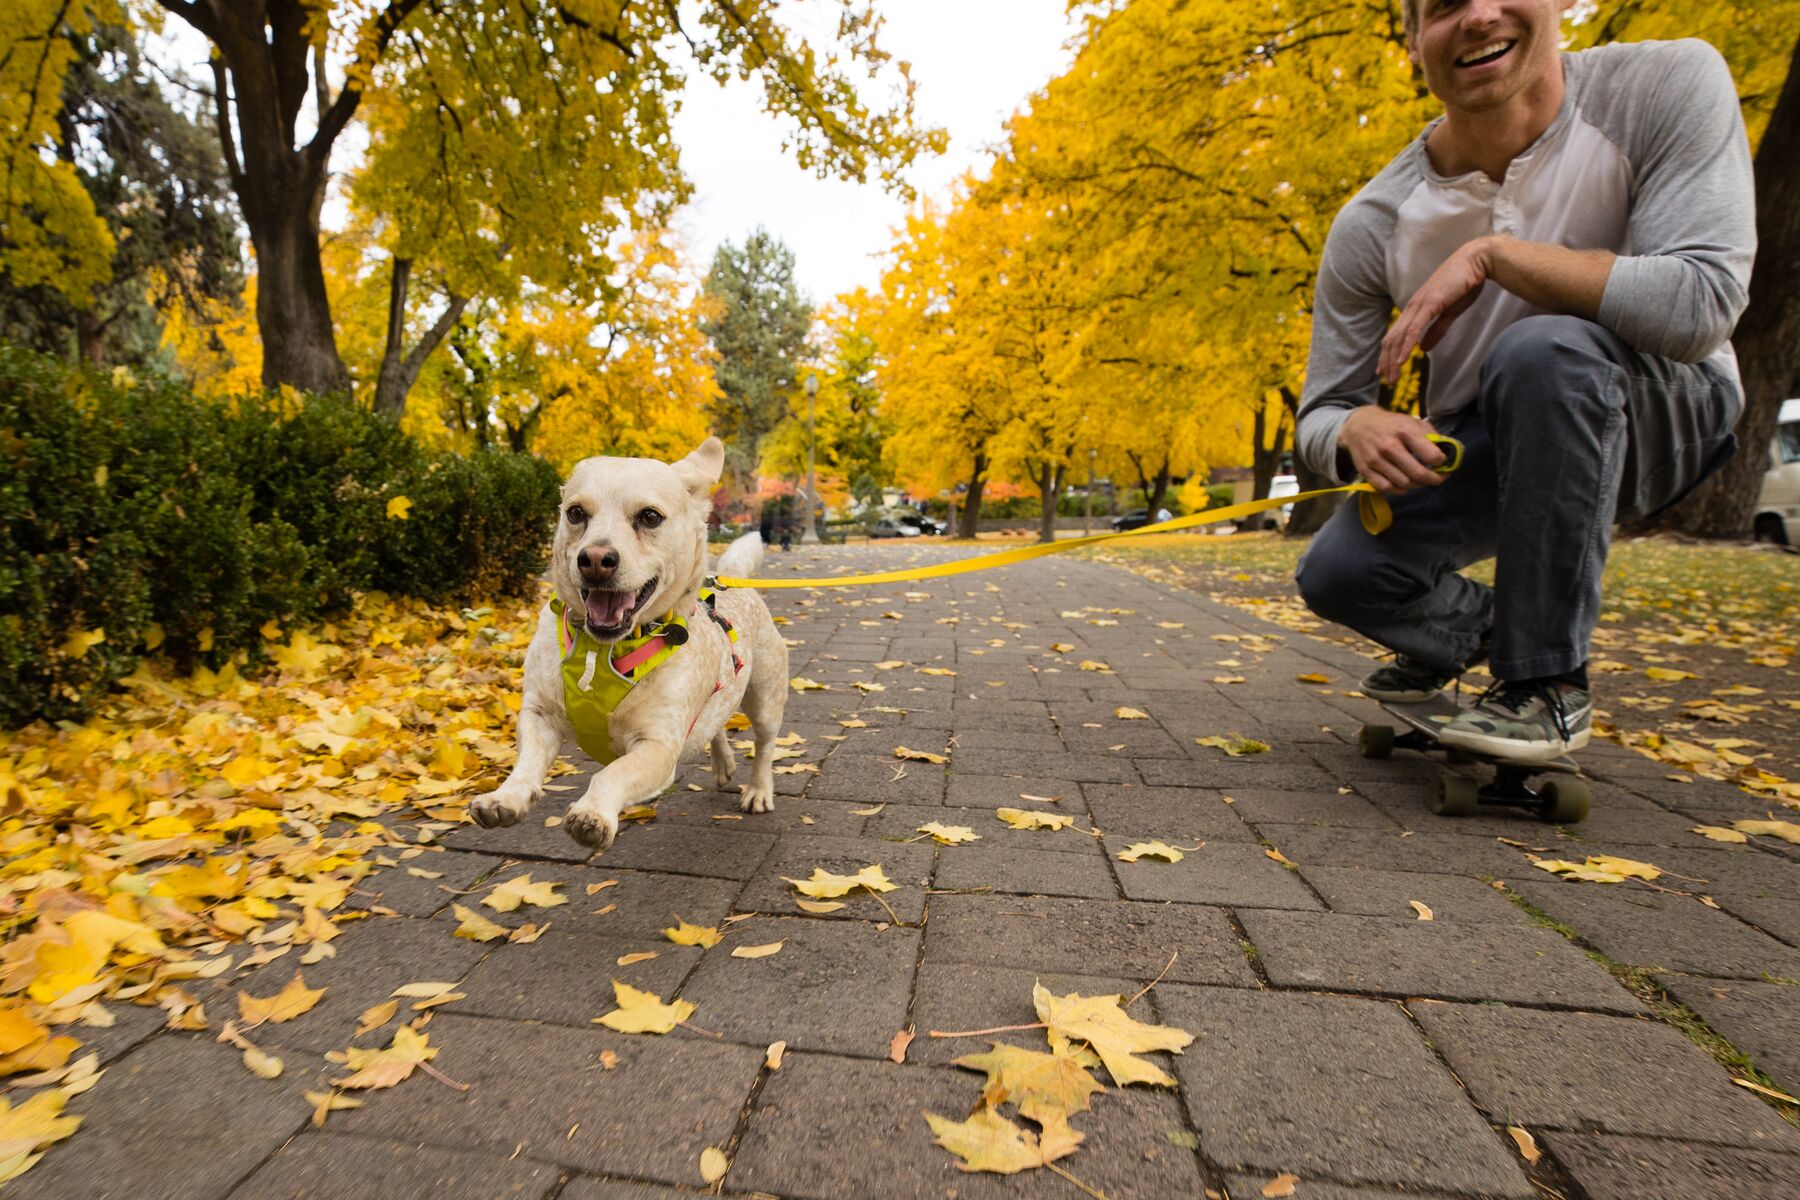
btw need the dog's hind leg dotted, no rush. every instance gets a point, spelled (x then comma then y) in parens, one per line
(764, 701)
(722, 761)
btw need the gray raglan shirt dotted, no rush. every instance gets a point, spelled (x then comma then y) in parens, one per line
(1647, 158)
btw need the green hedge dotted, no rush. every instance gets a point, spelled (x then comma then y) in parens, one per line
(127, 505)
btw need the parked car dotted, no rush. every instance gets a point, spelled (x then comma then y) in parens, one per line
(1137, 518)
(888, 527)
(1778, 505)
(912, 518)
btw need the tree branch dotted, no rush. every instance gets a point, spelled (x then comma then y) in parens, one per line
(221, 113)
(344, 107)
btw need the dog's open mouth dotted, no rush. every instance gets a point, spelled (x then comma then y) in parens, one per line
(611, 614)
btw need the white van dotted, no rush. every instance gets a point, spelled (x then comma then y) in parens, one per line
(1778, 507)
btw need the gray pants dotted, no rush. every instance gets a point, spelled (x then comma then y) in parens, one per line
(1572, 431)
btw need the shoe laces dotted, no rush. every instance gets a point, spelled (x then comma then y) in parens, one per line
(1515, 696)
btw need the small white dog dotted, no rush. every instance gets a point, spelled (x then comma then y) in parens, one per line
(631, 659)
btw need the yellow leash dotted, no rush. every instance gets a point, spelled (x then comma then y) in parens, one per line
(1372, 507)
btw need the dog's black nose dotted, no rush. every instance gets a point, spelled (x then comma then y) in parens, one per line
(591, 559)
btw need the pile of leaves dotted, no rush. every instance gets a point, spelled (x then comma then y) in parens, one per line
(200, 826)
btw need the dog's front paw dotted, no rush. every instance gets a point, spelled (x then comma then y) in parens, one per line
(757, 799)
(591, 826)
(498, 808)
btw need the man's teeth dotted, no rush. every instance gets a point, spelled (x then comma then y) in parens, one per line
(1480, 52)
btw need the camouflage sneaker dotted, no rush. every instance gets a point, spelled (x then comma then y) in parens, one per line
(1406, 681)
(1527, 722)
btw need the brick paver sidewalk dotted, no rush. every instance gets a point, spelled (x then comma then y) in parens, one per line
(1338, 1036)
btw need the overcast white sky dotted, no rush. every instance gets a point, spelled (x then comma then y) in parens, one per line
(975, 61)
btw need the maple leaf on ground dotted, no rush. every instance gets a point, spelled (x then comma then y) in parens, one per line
(521, 890)
(1045, 1087)
(1787, 831)
(388, 1065)
(1235, 746)
(476, 927)
(643, 1012)
(32, 1126)
(1130, 714)
(684, 934)
(291, 1001)
(1140, 850)
(824, 885)
(329, 1102)
(1025, 818)
(919, 755)
(948, 835)
(987, 1141)
(1104, 1025)
(1599, 868)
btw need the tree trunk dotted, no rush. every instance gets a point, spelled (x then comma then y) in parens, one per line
(1160, 495)
(400, 366)
(1049, 481)
(1767, 339)
(971, 512)
(1263, 461)
(90, 337)
(1309, 516)
(261, 76)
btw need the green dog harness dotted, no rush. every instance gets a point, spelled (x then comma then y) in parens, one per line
(597, 677)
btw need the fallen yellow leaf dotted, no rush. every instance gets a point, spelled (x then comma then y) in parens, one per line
(643, 1012)
(626, 960)
(521, 890)
(1130, 714)
(392, 1064)
(948, 835)
(987, 1141)
(1528, 1147)
(758, 951)
(329, 1102)
(1719, 833)
(1026, 818)
(1140, 850)
(1787, 831)
(476, 927)
(1281, 1186)
(291, 1001)
(1107, 1029)
(375, 1016)
(713, 1164)
(919, 755)
(1235, 745)
(818, 906)
(684, 934)
(824, 884)
(1423, 909)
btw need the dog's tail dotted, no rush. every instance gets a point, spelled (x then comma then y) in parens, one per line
(743, 558)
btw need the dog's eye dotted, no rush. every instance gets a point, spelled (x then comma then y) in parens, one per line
(650, 518)
(577, 515)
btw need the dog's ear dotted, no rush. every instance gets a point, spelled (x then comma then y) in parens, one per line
(699, 471)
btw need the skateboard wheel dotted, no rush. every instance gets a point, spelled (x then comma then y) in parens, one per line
(1458, 795)
(1565, 801)
(1376, 741)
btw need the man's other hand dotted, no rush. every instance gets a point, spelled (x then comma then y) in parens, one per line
(1452, 289)
(1391, 450)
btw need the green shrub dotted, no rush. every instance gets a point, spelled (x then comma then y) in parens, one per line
(132, 508)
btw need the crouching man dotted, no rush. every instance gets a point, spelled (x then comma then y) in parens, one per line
(1571, 245)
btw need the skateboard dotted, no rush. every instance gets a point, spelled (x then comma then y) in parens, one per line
(1561, 799)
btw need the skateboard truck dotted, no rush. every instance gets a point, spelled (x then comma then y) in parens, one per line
(1562, 799)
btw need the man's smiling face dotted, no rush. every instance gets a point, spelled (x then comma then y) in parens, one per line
(1478, 55)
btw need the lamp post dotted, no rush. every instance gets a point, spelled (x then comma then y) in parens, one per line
(811, 536)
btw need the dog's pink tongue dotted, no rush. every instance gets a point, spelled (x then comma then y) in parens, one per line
(607, 609)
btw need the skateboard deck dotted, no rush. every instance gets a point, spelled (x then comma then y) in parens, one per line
(1560, 800)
